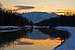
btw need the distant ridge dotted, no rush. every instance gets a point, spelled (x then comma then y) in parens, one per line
(38, 16)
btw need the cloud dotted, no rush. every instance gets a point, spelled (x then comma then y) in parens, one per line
(24, 7)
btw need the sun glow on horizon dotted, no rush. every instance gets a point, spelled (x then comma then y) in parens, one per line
(59, 11)
(40, 6)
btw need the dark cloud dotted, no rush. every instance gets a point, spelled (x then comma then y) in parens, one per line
(24, 7)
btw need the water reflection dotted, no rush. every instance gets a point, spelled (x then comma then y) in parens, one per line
(30, 27)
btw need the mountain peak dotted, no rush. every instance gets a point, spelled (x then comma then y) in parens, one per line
(36, 17)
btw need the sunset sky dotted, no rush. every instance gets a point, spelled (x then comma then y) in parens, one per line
(40, 5)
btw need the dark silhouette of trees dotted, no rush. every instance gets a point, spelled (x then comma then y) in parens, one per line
(59, 21)
(7, 18)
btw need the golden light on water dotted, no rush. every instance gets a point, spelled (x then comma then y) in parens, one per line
(48, 42)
